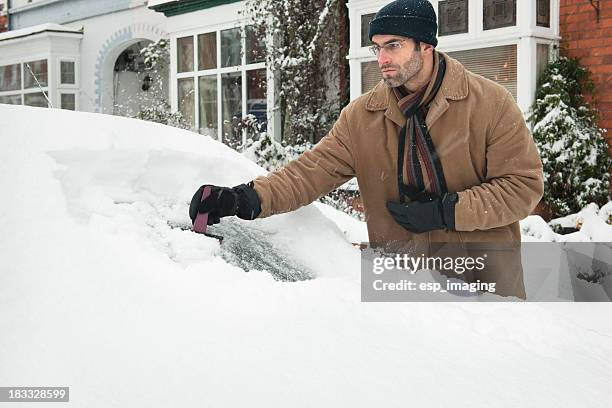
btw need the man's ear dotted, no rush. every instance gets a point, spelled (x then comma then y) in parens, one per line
(427, 49)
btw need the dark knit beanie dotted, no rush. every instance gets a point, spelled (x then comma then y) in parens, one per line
(409, 18)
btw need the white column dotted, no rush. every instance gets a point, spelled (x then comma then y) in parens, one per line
(196, 87)
(526, 72)
(272, 101)
(526, 16)
(475, 19)
(274, 114)
(52, 82)
(172, 89)
(219, 90)
(354, 43)
(555, 12)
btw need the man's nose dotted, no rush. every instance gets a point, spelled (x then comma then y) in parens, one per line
(383, 57)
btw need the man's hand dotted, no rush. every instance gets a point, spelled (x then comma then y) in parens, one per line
(241, 201)
(425, 212)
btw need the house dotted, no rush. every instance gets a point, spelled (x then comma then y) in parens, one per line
(69, 50)
(218, 72)
(212, 81)
(507, 41)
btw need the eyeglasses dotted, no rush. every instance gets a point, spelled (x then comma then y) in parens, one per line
(391, 47)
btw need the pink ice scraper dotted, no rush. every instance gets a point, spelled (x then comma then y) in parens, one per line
(201, 221)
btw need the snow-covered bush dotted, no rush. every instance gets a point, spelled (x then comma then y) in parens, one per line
(161, 113)
(305, 49)
(344, 200)
(589, 225)
(157, 55)
(268, 153)
(572, 147)
(294, 151)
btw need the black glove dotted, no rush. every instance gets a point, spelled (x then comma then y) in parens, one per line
(241, 201)
(425, 212)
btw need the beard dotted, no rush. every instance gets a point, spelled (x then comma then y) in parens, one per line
(404, 73)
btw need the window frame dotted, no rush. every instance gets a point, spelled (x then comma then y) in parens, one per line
(22, 91)
(13, 94)
(20, 70)
(550, 14)
(361, 28)
(217, 72)
(513, 46)
(60, 84)
(26, 71)
(507, 25)
(75, 94)
(467, 18)
(34, 92)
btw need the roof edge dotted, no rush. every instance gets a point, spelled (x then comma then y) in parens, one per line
(175, 8)
(43, 28)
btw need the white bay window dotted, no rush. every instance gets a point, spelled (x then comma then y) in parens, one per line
(24, 83)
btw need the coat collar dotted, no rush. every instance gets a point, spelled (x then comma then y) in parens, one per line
(454, 87)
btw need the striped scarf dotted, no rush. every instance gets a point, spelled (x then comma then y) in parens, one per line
(418, 164)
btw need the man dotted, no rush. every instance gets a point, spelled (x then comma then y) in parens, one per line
(440, 154)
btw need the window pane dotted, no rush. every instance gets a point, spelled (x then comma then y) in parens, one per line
(365, 28)
(370, 75)
(453, 17)
(35, 99)
(231, 99)
(542, 53)
(11, 99)
(68, 101)
(184, 47)
(256, 48)
(186, 99)
(10, 77)
(39, 68)
(543, 13)
(230, 47)
(499, 13)
(495, 63)
(207, 51)
(208, 105)
(256, 96)
(67, 72)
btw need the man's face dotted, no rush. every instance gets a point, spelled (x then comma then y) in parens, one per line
(399, 61)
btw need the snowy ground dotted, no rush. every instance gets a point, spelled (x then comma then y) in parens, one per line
(102, 290)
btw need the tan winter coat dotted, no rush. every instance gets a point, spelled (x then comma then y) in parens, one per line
(486, 150)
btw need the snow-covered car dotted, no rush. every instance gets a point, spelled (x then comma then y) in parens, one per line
(104, 289)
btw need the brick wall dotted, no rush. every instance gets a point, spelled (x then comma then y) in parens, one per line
(3, 23)
(582, 36)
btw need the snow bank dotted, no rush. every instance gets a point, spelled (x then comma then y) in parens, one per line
(591, 223)
(103, 291)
